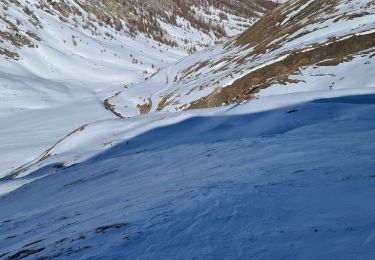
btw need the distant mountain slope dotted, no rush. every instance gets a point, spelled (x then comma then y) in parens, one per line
(59, 60)
(299, 46)
(190, 24)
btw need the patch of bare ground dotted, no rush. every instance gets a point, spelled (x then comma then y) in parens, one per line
(9, 54)
(17, 40)
(145, 107)
(193, 69)
(109, 106)
(164, 102)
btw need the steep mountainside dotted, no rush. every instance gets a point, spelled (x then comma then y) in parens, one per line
(304, 44)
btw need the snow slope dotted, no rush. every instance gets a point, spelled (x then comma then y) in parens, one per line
(283, 177)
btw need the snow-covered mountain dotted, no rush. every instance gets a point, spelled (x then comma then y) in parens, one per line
(289, 175)
(65, 57)
(299, 46)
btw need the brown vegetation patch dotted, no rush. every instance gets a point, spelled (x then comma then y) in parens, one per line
(9, 54)
(165, 101)
(146, 107)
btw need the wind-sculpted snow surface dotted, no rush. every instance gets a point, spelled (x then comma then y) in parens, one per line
(286, 177)
(288, 50)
